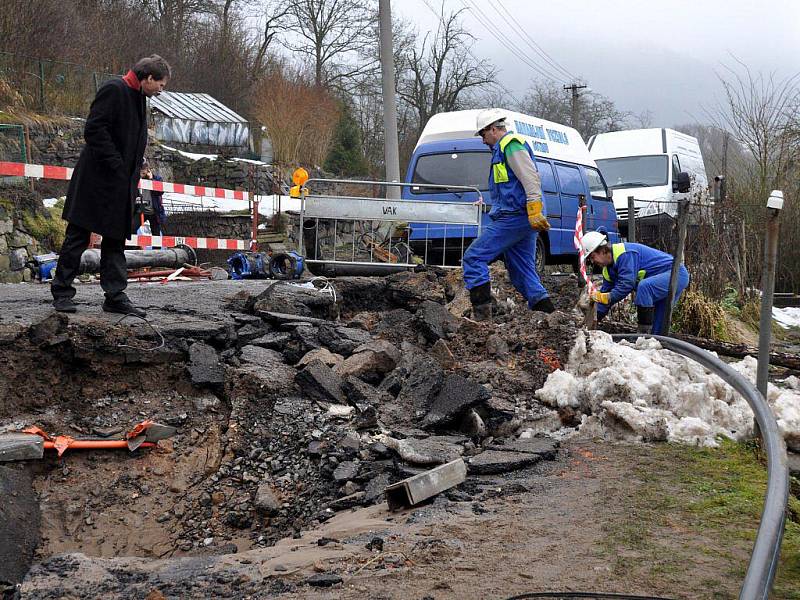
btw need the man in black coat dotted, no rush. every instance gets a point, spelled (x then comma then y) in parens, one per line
(104, 184)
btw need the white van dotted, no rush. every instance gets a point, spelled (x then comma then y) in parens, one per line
(648, 164)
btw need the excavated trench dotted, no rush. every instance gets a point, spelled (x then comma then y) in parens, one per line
(259, 454)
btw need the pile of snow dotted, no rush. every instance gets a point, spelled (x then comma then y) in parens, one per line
(787, 317)
(643, 392)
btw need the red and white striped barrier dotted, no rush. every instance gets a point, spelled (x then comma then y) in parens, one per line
(13, 169)
(577, 240)
(200, 243)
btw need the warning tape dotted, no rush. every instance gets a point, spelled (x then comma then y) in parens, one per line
(13, 169)
(200, 243)
(577, 240)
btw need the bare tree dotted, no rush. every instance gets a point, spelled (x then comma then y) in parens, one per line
(332, 34)
(760, 113)
(596, 113)
(273, 19)
(439, 74)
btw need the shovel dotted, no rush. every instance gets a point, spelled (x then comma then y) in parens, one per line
(32, 442)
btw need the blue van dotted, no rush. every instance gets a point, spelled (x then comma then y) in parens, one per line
(448, 153)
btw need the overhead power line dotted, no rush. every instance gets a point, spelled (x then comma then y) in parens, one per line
(527, 38)
(492, 28)
(469, 51)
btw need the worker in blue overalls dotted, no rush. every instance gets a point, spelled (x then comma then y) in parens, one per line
(628, 267)
(517, 215)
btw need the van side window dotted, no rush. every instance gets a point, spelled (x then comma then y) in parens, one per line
(546, 174)
(676, 165)
(597, 186)
(570, 180)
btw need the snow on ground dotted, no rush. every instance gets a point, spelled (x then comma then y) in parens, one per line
(267, 205)
(643, 392)
(787, 317)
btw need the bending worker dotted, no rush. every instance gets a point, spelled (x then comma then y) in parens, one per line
(517, 215)
(628, 267)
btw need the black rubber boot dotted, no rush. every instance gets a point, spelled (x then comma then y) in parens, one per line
(544, 305)
(123, 307)
(64, 304)
(645, 316)
(481, 298)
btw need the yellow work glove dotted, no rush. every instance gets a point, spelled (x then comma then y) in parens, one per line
(601, 297)
(535, 217)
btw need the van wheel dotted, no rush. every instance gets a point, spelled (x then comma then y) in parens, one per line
(541, 254)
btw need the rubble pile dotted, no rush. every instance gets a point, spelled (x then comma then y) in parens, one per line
(292, 406)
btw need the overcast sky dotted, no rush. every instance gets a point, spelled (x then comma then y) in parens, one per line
(644, 55)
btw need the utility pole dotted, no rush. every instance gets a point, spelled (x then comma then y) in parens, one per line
(391, 151)
(574, 89)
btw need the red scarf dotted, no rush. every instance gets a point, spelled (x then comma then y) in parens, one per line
(132, 81)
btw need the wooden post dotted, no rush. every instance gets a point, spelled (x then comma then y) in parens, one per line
(677, 260)
(590, 313)
(631, 220)
(27, 134)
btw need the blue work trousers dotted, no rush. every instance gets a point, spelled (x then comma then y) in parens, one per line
(512, 237)
(653, 292)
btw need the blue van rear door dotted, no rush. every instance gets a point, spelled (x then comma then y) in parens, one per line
(551, 198)
(601, 211)
(572, 185)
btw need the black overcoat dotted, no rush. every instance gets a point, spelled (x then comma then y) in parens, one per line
(104, 183)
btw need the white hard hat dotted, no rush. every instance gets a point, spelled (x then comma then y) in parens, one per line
(592, 241)
(487, 117)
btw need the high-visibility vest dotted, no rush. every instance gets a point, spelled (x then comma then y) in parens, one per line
(618, 250)
(508, 194)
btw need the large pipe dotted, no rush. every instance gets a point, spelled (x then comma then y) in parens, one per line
(172, 258)
(764, 559)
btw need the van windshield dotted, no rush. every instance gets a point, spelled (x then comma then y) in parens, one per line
(634, 171)
(452, 168)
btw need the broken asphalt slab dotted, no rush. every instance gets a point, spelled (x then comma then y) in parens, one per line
(319, 382)
(456, 396)
(19, 523)
(205, 366)
(491, 462)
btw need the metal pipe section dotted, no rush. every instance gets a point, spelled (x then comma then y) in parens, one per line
(172, 258)
(764, 559)
(767, 291)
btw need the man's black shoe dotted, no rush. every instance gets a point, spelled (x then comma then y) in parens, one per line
(123, 307)
(544, 305)
(65, 305)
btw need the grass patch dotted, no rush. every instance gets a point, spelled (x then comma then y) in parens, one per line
(699, 505)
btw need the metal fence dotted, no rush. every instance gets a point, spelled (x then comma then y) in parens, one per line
(337, 232)
(50, 86)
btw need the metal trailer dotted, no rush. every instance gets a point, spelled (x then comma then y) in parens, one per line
(368, 235)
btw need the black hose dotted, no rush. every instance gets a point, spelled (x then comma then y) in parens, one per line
(766, 550)
(569, 595)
